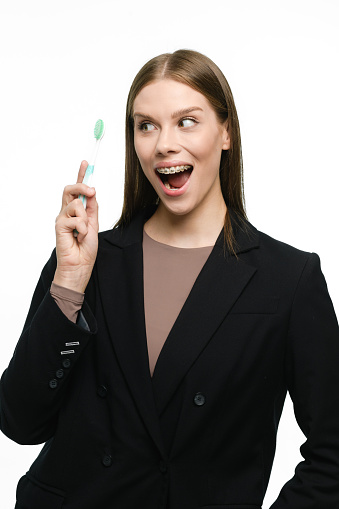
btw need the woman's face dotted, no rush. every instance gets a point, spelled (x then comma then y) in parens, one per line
(178, 140)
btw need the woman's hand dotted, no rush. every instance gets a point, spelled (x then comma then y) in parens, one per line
(76, 255)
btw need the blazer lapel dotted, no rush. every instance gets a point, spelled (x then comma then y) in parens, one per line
(121, 288)
(219, 284)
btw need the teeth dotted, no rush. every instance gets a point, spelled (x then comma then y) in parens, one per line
(173, 169)
(166, 184)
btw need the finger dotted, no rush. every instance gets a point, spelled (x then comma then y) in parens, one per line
(92, 208)
(73, 210)
(82, 232)
(82, 171)
(72, 192)
(76, 209)
(69, 224)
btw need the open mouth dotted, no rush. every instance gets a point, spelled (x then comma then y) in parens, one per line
(174, 177)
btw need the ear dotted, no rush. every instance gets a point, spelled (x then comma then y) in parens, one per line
(226, 140)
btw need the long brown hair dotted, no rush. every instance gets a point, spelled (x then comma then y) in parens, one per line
(202, 74)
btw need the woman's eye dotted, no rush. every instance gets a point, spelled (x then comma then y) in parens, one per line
(146, 126)
(187, 122)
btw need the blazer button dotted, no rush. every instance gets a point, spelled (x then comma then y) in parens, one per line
(53, 383)
(199, 399)
(107, 460)
(102, 391)
(59, 373)
(66, 363)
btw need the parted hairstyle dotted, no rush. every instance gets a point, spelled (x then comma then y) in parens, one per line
(202, 74)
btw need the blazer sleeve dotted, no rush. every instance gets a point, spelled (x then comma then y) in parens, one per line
(312, 374)
(33, 386)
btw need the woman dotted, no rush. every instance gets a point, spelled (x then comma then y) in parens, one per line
(164, 386)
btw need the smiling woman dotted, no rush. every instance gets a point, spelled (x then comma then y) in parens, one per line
(183, 99)
(180, 156)
(187, 328)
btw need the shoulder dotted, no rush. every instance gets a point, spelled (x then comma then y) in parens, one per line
(290, 266)
(278, 259)
(277, 248)
(256, 244)
(283, 270)
(250, 238)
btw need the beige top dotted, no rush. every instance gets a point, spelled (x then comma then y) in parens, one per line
(169, 275)
(69, 301)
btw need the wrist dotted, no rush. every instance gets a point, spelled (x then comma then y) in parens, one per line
(73, 281)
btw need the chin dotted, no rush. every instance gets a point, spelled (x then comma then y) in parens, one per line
(177, 209)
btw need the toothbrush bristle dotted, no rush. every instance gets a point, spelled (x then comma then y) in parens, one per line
(99, 129)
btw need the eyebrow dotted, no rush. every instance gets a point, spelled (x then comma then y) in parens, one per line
(176, 114)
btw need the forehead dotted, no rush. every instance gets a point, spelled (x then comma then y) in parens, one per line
(168, 95)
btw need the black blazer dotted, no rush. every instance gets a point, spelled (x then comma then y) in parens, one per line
(201, 432)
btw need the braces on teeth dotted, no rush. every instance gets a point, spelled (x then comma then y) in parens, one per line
(174, 169)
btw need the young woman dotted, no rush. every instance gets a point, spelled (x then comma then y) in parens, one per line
(156, 356)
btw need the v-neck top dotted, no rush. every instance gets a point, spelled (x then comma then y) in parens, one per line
(169, 275)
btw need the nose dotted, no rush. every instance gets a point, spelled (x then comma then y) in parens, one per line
(166, 141)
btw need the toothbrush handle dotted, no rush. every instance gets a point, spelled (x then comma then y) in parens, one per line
(87, 180)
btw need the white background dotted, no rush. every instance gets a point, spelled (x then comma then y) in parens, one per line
(66, 63)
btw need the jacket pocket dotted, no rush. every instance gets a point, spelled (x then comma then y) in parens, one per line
(32, 494)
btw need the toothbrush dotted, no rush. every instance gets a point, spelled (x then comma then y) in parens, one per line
(99, 131)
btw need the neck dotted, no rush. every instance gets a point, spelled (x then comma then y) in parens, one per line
(191, 230)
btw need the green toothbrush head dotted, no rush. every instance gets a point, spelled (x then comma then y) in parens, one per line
(99, 129)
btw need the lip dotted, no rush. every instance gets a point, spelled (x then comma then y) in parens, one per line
(168, 164)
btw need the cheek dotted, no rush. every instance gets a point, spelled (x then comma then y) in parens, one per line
(143, 150)
(144, 159)
(207, 147)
